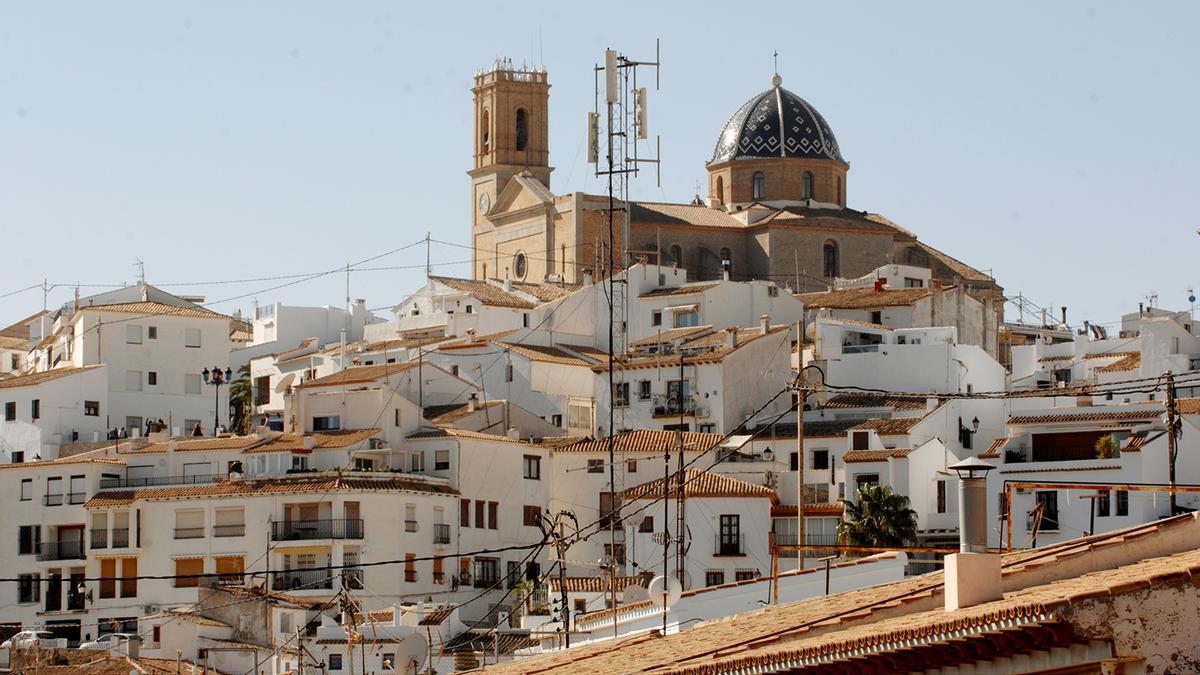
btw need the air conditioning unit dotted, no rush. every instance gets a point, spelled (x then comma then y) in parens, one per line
(702, 412)
(150, 609)
(378, 443)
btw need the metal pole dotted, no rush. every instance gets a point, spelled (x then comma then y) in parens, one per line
(666, 534)
(800, 396)
(1172, 422)
(216, 404)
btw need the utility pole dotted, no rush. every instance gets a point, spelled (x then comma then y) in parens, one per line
(428, 266)
(680, 516)
(1172, 428)
(300, 650)
(800, 396)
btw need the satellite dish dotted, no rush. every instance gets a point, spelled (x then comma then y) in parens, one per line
(673, 589)
(634, 593)
(285, 383)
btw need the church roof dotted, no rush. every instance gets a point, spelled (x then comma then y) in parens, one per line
(776, 123)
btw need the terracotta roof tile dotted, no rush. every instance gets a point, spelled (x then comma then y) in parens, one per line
(819, 509)
(864, 298)
(656, 213)
(596, 584)
(858, 456)
(322, 440)
(689, 289)
(671, 335)
(546, 292)
(457, 412)
(1130, 362)
(543, 354)
(93, 457)
(197, 445)
(892, 426)
(700, 484)
(1106, 416)
(1188, 406)
(993, 450)
(157, 308)
(875, 401)
(1109, 355)
(306, 485)
(361, 374)
(645, 440)
(1056, 359)
(477, 341)
(485, 292)
(45, 376)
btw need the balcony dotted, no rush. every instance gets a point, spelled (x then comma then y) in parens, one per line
(60, 550)
(229, 530)
(52, 500)
(301, 580)
(189, 533)
(353, 577)
(76, 498)
(729, 544)
(441, 533)
(292, 530)
(155, 481)
(99, 539)
(120, 537)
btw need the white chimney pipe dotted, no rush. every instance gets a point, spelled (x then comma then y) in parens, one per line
(764, 323)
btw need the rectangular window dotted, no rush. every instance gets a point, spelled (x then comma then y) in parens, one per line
(480, 509)
(191, 383)
(441, 460)
(656, 318)
(687, 319)
(595, 466)
(493, 515)
(29, 537)
(152, 332)
(1122, 503)
(396, 415)
(643, 390)
(129, 582)
(417, 460)
(794, 461)
(133, 335)
(556, 420)
(631, 466)
(17, 456)
(26, 489)
(10, 411)
(262, 390)
(820, 459)
(533, 467)
(410, 568)
(327, 423)
(864, 479)
(531, 516)
(714, 577)
(647, 524)
(108, 581)
(621, 394)
(860, 440)
(508, 372)
(1103, 503)
(152, 378)
(35, 409)
(464, 512)
(191, 337)
(54, 495)
(91, 408)
(609, 508)
(1049, 502)
(439, 577)
(335, 661)
(941, 496)
(487, 572)
(29, 588)
(187, 571)
(729, 539)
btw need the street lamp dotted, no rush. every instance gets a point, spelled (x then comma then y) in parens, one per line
(217, 378)
(768, 455)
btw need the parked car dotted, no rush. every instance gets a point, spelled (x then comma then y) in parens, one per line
(110, 641)
(26, 638)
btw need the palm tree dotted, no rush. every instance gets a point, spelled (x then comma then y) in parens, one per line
(878, 517)
(239, 401)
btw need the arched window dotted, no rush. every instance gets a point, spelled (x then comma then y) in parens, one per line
(720, 193)
(563, 262)
(484, 275)
(676, 257)
(522, 129)
(485, 126)
(726, 260)
(808, 185)
(830, 258)
(760, 185)
(839, 195)
(520, 265)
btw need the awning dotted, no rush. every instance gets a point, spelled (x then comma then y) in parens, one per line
(302, 549)
(676, 309)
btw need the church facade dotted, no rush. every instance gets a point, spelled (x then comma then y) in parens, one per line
(776, 206)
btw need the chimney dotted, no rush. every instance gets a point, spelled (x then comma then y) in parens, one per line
(587, 278)
(1141, 309)
(472, 403)
(731, 337)
(972, 575)
(309, 442)
(513, 433)
(471, 335)
(1064, 314)
(764, 323)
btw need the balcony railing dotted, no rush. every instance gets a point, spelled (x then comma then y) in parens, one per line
(790, 539)
(99, 539)
(120, 537)
(441, 533)
(729, 544)
(353, 577)
(291, 530)
(229, 530)
(189, 532)
(410, 526)
(301, 580)
(61, 550)
(52, 500)
(231, 579)
(154, 481)
(76, 497)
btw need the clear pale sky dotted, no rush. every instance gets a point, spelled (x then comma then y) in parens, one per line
(1055, 144)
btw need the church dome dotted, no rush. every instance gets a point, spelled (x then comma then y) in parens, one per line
(776, 123)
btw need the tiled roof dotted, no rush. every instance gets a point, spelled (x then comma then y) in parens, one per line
(306, 485)
(857, 456)
(670, 336)
(361, 374)
(1109, 355)
(645, 440)
(436, 617)
(477, 341)
(322, 440)
(485, 292)
(93, 457)
(892, 426)
(1188, 406)
(856, 322)
(451, 432)
(875, 401)
(955, 265)
(1106, 416)
(20, 329)
(158, 308)
(689, 289)
(864, 298)
(818, 218)
(14, 343)
(546, 292)
(705, 350)
(700, 484)
(1057, 469)
(44, 376)
(544, 354)
(1137, 441)
(457, 412)
(596, 584)
(190, 617)
(1056, 359)
(993, 450)
(197, 445)
(820, 509)
(656, 213)
(1130, 362)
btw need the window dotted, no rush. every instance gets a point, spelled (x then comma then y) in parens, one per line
(17, 456)
(820, 459)
(129, 582)
(743, 574)
(493, 515)
(327, 422)
(508, 372)
(1103, 503)
(726, 260)
(676, 256)
(525, 320)
(26, 489)
(644, 390)
(860, 440)
(10, 411)
(133, 335)
(530, 515)
(579, 416)
(714, 577)
(609, 508)
(532, 467)
(417, 461)
(454, 370)
(522, 129)
(485, 126)
(595, 466)
(480, 507)
(410, 567)
(1122, 503)
(729, 540)
(29, 537)
(656, 318)
(830, 259)
(1049, 502)
(647, 524)
(758, 185)
(720, 191)
(91, 408)
(335, 661)
(513, 575)
(464, 512)
(152, 332)
(877, 316)
(469, 309)
(152, 378)
(839, 190)
(631, 466)
(862, 480)
(793, 461)
(35, 408)
(29, 588)
(487, 572)
(556, 420)
(191, 337)
(620, 394)
(54, 495)
(441, 460)
(687, 319)
(262, 390)
(187, 571)
(191, 383)
(941, 496)
(806, 187)
(520, 265)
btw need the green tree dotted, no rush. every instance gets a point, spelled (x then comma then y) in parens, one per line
(878, 517)
(239, 401)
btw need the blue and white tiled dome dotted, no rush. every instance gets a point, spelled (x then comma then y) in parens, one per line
(776, 123)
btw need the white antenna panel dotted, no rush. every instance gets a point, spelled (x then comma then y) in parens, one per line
(612, 93)
(593, 138)
(642, 118)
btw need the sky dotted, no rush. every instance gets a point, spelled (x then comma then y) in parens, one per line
(1052, 144)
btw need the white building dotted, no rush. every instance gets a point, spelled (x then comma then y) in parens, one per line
(278, 327)
(44, 410)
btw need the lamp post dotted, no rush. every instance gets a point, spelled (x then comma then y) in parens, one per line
(216, 378)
